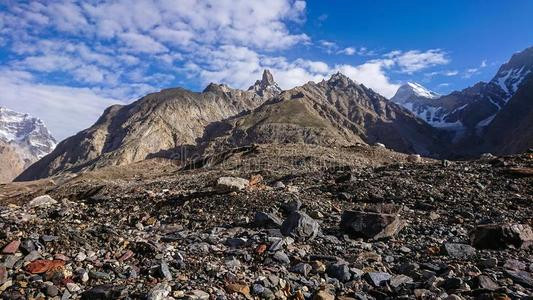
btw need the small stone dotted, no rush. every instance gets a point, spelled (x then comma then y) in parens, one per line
(513, 264)
(258, 289)
(267, 220)
(80, 257)
(240, 288)
(490, 262)
(300, 226)
(521, 277)
(3, 274)
(324, 295)
(302, 268)
(339, 271)
(378, 278)
(159, 292)
(459, 250)
(72, 287)
(292, 206)
(197, 295)
(98, 275)
(400, 280)
(12, 247)
(282, 257)
(370, 225)
(484, 282)
(231, 184)
(279, 185)
(164, 271)
(318, 266)
(52, 290)
(452, 283)
(102, 292)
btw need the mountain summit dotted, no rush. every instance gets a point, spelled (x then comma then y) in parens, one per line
(23, 140)
(266, 87)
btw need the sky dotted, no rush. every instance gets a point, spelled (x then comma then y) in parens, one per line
(66, 61)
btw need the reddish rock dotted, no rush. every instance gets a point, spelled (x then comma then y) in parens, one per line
(42, 266)
(12, 247)
(127, 255)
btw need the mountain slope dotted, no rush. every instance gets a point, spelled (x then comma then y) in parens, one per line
(24, 140)
(511, 131)
(333, 112)
(157, 123)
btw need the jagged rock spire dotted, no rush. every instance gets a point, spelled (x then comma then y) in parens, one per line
(266, 86)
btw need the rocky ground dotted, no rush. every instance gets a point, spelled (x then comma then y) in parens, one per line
(275, 222)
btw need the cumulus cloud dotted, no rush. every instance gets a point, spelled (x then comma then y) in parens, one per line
(99, 52)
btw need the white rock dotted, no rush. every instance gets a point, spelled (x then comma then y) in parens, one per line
(72, 287)
(231, 184)
(159, 292)
(41, 201)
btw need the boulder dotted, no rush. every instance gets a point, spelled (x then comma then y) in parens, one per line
(371, 225)
(300, 226)
(501, 236)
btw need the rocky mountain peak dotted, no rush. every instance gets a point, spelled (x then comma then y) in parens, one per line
(511, 74)
(266, 87)
(23, 140)
(341, 80)
(27, 131)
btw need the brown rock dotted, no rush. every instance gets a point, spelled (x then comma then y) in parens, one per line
(501, 236)
(371, 225)
(240, 288)
(42, 266)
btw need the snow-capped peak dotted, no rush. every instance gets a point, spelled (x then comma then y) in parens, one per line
(26, 132)
(413, 91)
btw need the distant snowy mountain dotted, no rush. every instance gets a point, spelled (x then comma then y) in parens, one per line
(412, 91)
(24, 140)
(472, 109)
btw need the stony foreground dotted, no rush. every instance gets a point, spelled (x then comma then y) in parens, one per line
(351, 230)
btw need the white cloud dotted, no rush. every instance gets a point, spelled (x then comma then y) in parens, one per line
(348, 51)
(372, 74)
(65, 110)
(142, 43)
(415, 60)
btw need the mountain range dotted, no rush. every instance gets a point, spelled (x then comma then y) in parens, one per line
(469, 112)
(180, 124)
(23, 140)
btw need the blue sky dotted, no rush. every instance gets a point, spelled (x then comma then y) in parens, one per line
(65, 61)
